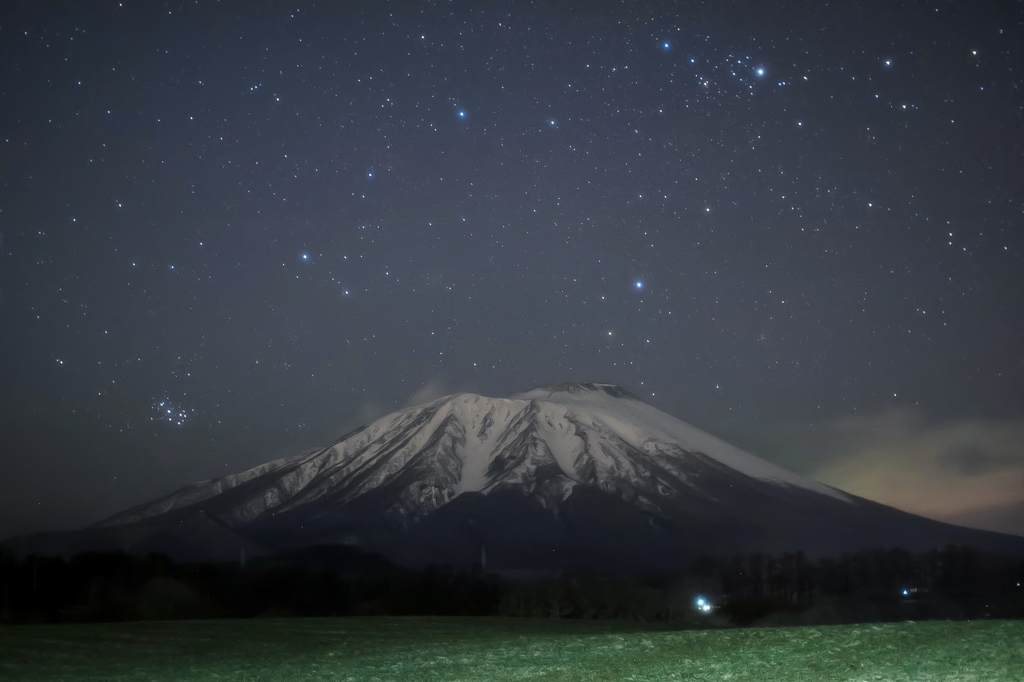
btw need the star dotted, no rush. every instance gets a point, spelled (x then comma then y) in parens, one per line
(759, 71)
(461, 113)
(638, 285)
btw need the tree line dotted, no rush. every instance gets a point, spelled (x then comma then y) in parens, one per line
(756, 588)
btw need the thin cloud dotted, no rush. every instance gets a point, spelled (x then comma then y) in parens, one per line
(969, 472)
(945, 471)
(432, 390)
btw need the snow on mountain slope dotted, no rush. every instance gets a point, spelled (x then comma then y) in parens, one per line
(557, 478)
(645, 427)
(544, 443)
(194, 493)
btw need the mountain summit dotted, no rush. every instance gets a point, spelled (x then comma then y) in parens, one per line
(564, 476)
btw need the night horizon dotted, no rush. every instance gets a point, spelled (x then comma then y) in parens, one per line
(436, 340)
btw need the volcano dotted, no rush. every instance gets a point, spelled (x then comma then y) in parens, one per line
(562, 477)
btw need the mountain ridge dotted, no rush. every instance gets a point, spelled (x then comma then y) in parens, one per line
(548, 477)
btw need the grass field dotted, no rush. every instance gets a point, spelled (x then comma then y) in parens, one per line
(420, 649)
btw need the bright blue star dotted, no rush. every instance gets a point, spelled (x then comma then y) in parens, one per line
(887, 62)
(305, 256)
(638, 285)
(759, 71)
(666, 46)
(461, 113)
(552, 122)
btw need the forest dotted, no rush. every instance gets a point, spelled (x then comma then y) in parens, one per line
(752, 589)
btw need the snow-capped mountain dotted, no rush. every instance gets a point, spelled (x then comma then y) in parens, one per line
(564, 476)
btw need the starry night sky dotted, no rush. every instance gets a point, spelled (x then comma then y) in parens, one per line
(231, 231)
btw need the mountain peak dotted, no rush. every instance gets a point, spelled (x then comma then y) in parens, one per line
(579, 388)
(562, 475)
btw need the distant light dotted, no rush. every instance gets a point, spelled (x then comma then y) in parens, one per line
(906, 593)
(701, 601)
(305, 256)
(759, 71)
(887, 62)
(666, 45)
(461, 113)
(638, 285)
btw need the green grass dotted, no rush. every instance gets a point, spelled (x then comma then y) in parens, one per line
(494, 649)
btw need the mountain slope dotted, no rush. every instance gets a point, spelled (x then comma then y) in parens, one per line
(573, 475)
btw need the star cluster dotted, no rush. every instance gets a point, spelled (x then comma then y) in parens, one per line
(299, 216)
(168, 411)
